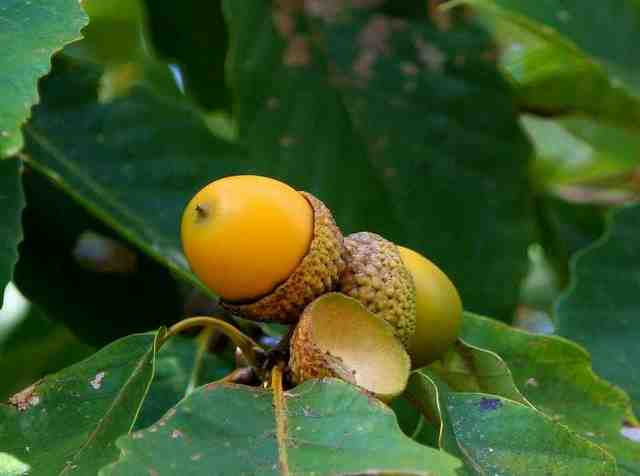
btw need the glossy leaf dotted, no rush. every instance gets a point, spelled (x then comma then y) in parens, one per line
(591, 90)
(134, 162)
(31, 33)
(180, 368)
(466, 368)
(413, 423)
(116, 32)
(67, 423)
(194, 36)
(537, 56)
(11, 204)
(394, 119)
(555, 375)
(94, 269)
(580, 150)
(601, 307)
(577, 20)
(331, 428)
(35, 348)
(494, 435)
(566, 227)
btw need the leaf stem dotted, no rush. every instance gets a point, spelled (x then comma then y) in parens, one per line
(204, 338)
(249, 347)
(280, 409)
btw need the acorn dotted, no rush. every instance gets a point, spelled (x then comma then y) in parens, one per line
(264, 248)
(377, 277)
(338, 337)
(438, 310)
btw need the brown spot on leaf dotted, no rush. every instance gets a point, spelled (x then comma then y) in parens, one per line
(375, 35)
(25, 399)
(531, 382)
(284, 23)
(408, 68)
(441, 18)
(273, 103)
(287, 141)
(363, 64)
(429, 55)
(373, 41)
(297, 52)
(490, 56)
(327, 10)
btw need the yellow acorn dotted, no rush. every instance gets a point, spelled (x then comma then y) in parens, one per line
(438, 310)
(338, 337)
(376, 276)
(266, 249)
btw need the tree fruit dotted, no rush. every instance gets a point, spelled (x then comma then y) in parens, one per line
(338, 337)
(266, 249)
(376, 276)
(438, 310)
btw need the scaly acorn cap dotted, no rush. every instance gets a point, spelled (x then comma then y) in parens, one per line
(377, 277)
(338, 337)
(317, 273)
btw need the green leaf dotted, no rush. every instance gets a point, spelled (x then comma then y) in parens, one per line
(466, 368)
(590, 88)
(134, 162)
(35, 348)
(495, 435)
(553, 74)
(194, 35)
(566, 227)
(117, 38)
(11, 204)
(11, 466)
(180, 368)
(555, 375)
(580, 150)
(94, 269)
(31, 33)
(600, 308)
(332, 427)
(116, 32)
(413, 423)
(404, 130)
(67, 423)
(577, 20)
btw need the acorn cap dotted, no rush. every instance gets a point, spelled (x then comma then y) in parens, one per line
(338, 337)
(317, 273)
(376, 276)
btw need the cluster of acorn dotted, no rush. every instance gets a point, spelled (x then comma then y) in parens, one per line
(365, 309)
